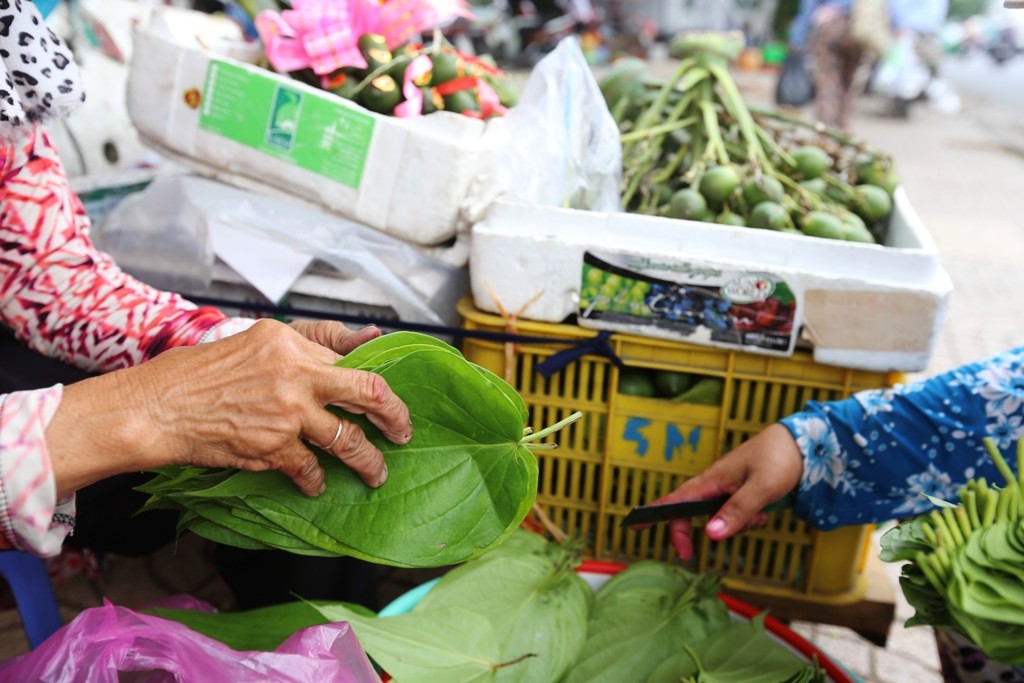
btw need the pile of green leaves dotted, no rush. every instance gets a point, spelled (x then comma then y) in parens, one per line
(520, 614)
(517, 615)
(660, 623)
(462, 484)
(966, 562)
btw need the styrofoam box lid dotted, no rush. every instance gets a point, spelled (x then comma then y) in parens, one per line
(910, 258)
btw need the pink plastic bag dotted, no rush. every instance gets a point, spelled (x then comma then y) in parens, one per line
(102, 643)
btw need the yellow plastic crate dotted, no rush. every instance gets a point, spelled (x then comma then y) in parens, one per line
(630, 450)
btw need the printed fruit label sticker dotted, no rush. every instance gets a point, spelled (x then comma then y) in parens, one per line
(694, 301)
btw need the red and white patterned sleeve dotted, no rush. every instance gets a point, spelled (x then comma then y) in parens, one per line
(31, 517)
(62, 296)
(67, 300)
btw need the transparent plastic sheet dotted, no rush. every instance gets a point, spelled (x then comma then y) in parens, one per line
(161, 235)
(559, 146)
(109, 644)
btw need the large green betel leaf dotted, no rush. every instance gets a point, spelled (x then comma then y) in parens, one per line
(529, 592)
(464, 482)
(643, 616)
(741, 652)
(453, 645)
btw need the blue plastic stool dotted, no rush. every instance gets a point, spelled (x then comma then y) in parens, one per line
(33, 594)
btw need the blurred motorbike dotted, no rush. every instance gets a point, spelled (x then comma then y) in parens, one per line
(520, 32)
(1003, 47)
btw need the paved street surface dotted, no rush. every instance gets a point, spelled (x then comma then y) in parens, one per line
(964, 173)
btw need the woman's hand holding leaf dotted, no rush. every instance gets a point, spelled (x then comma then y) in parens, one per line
(460, 486)
(243, 402)
(249, 400)
(334, 335)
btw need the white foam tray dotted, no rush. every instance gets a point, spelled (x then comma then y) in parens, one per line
(862, 306)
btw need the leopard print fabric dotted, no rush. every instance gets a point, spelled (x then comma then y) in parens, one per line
(40, 78)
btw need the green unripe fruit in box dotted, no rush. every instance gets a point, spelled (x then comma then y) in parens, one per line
(767, 189)
(687, 204)
(770, 216)
(718, 183)
(811, 161)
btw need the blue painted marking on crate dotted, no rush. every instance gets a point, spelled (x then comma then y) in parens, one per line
(677, 441)
(673, 440)
(632, 433)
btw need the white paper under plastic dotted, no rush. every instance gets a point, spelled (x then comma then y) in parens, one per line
(163, 236)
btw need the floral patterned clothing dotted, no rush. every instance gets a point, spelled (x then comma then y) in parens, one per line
(870, 457)
(67, 300)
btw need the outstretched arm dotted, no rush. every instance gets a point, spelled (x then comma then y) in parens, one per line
(870, 457)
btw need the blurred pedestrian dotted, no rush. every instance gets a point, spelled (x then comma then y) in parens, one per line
(840, 36)
(822, 31)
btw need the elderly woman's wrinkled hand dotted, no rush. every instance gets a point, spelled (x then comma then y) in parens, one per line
(247, 401)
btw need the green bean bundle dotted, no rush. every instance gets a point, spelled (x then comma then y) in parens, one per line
(966, 562)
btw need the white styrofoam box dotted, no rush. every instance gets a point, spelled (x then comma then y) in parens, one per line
(862, 305)
(259, 130)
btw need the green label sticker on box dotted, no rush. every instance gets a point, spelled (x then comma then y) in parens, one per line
(260, 112)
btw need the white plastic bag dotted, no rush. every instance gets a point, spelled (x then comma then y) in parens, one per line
(901, 72)
(559, 146)
(162, 235)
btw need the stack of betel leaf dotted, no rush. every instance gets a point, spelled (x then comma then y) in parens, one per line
(463, 483)
(520, 614)
(693, 149)
(965, 562)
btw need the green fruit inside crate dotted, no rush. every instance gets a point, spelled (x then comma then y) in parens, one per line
(706, 391)
(463, 100)
(670, 383)
(637, 382)
(718, 183)
(444, 67)
(432, 101)
(401, 56)
(770, 216)
(823, 224)
(730, 218)
(763, 189)
(871, 203)
(343, 83)
(687, 204)
(854, 229)
(872, 171)
(374, 49)
(381, 95)
(811, 161)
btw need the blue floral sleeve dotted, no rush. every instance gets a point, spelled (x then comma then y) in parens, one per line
(869, 458)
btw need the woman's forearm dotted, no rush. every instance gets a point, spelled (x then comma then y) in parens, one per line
(101, 428)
